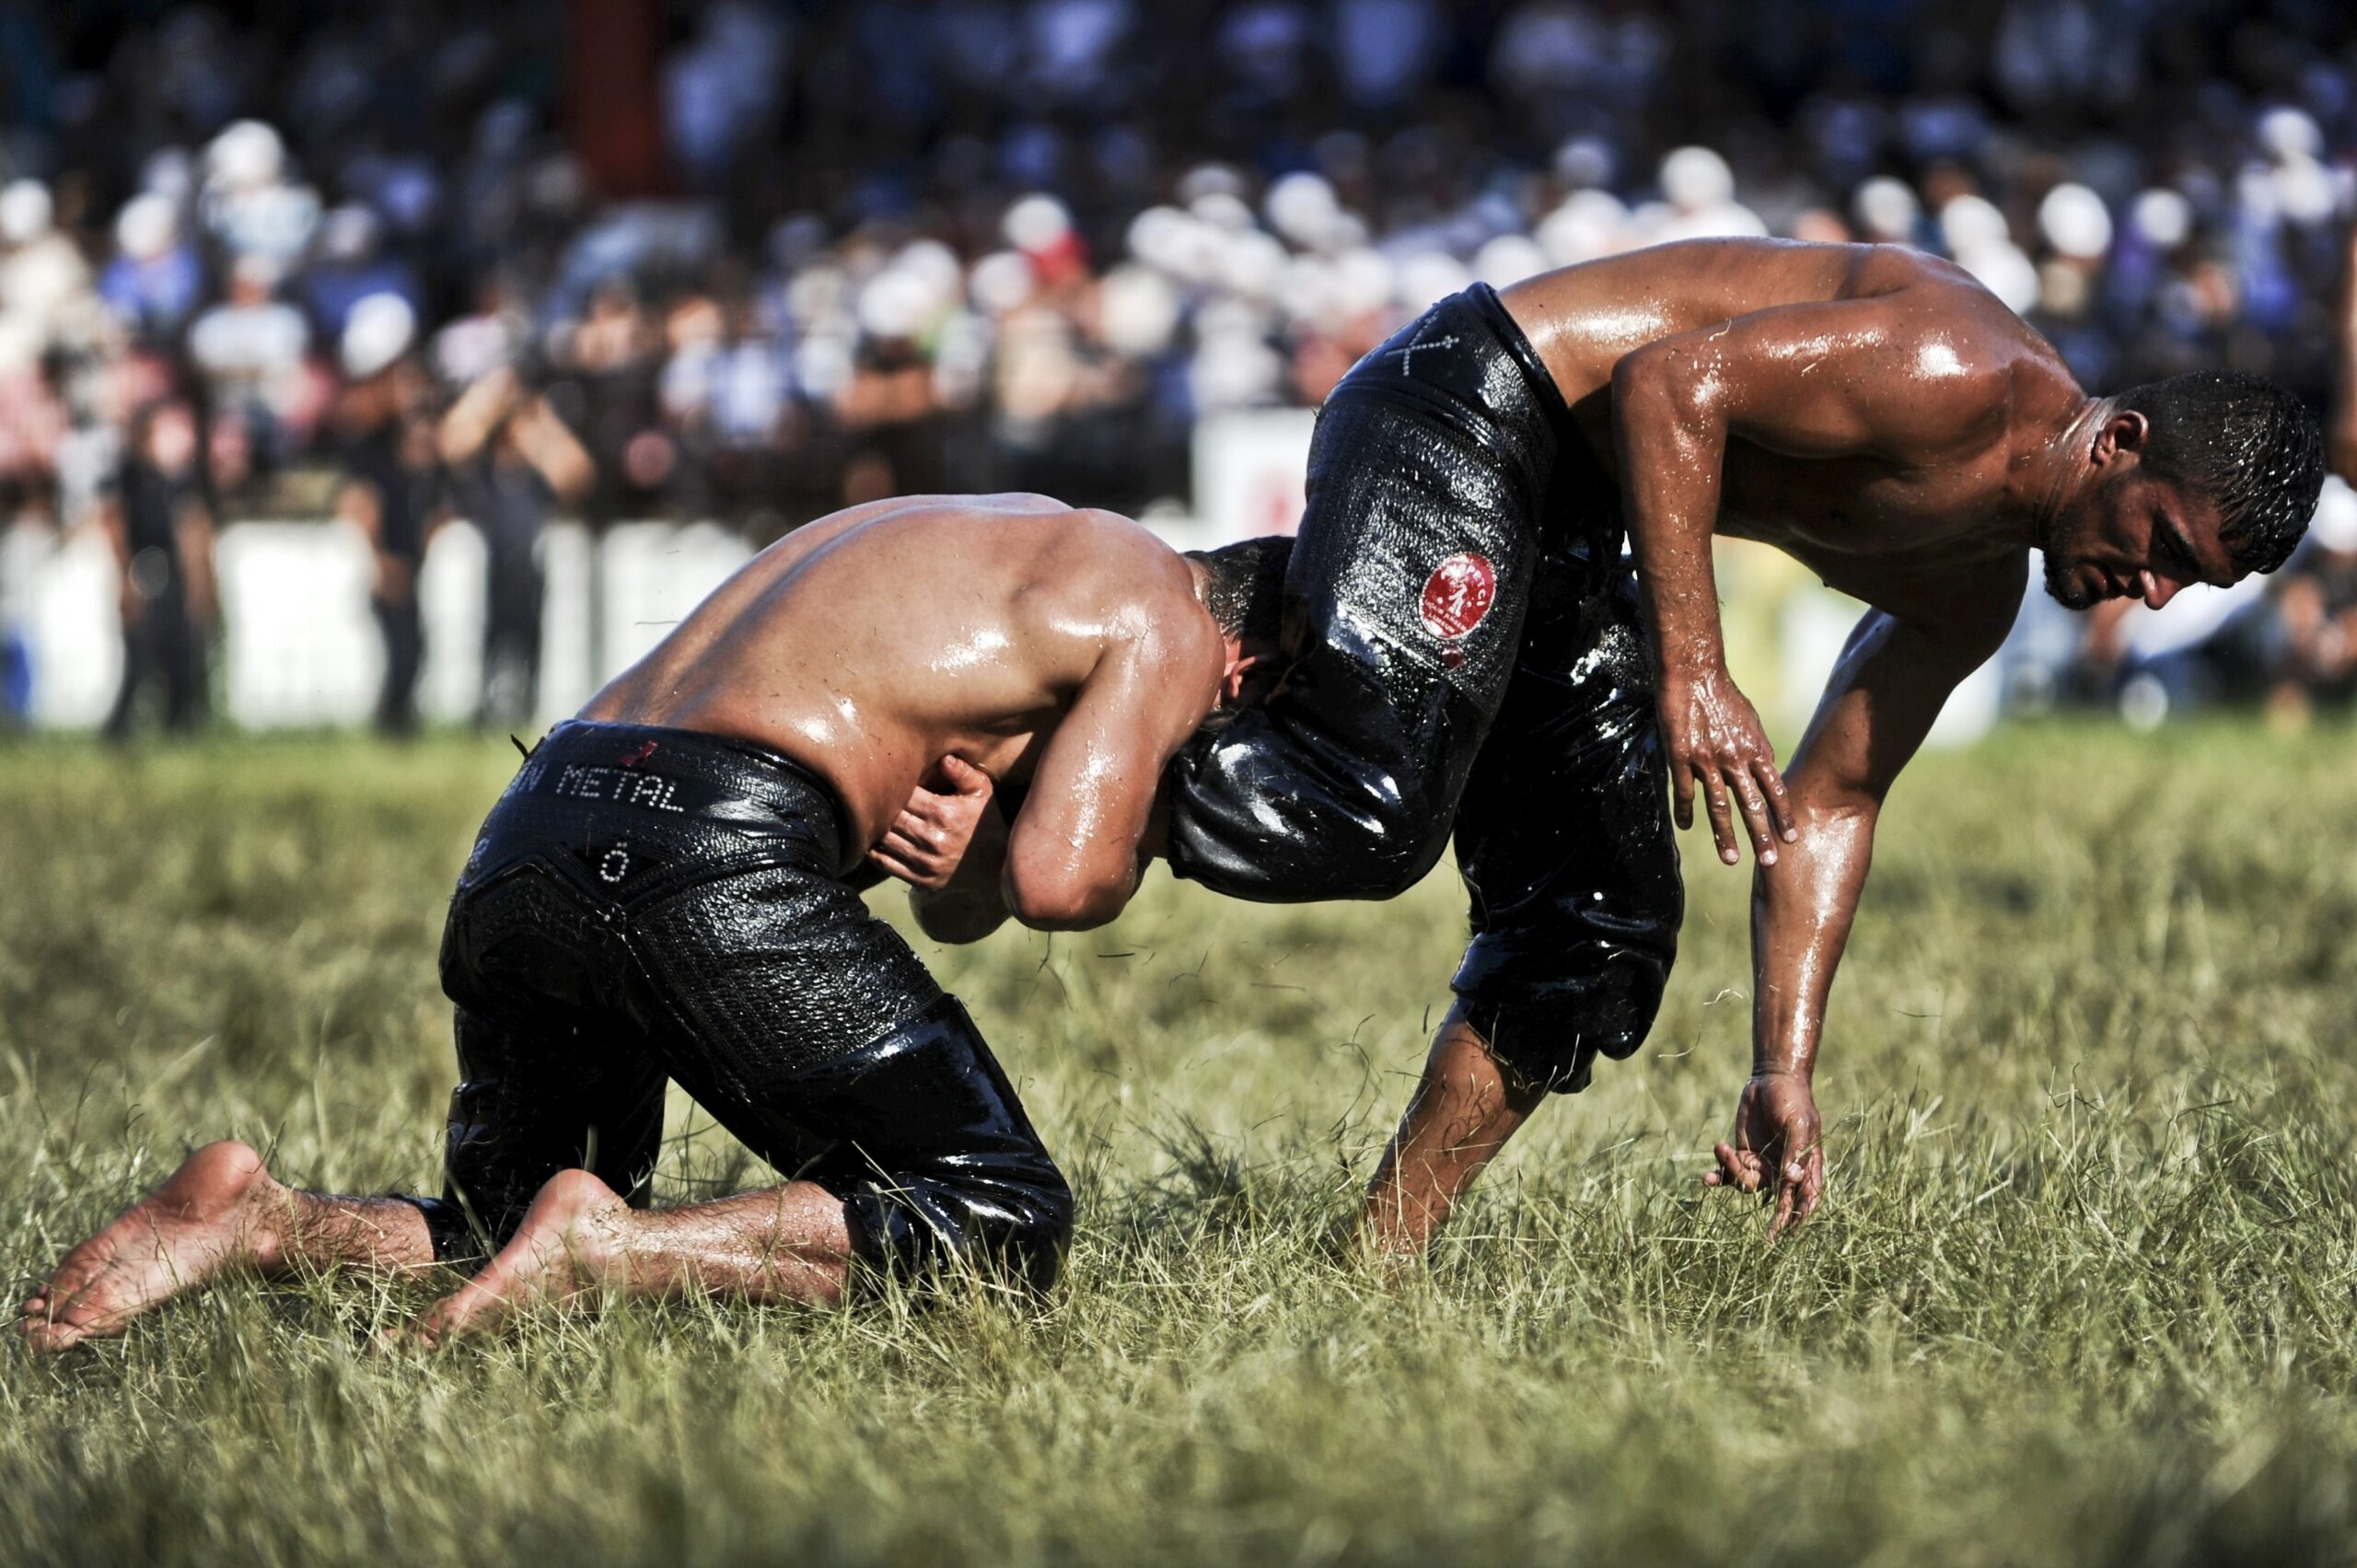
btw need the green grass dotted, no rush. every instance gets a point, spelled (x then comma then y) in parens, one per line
(2082, 1291)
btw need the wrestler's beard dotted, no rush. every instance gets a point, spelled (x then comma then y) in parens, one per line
(2062, 555)
(2063, 589)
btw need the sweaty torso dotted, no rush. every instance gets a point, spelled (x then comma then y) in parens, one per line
(871, 644)
(1893, 530)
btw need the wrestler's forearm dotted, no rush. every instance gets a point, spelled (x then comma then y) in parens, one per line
(1801, 911)
(1670, 448)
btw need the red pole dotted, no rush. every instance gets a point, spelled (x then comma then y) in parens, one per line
(614, 48)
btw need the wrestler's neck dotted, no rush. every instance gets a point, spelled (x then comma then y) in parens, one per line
(2053, 473)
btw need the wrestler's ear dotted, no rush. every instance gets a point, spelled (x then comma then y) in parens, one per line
(2121, 437)
(1238, 672)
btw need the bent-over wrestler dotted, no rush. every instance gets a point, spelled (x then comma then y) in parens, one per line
(1466, 652)
(665, 893)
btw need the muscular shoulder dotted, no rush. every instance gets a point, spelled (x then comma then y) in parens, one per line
(1950, 363)
(1116, 576)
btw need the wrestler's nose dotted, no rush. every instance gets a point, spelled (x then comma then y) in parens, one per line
(2158, 591)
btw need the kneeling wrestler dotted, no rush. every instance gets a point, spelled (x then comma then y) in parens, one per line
(668, 892)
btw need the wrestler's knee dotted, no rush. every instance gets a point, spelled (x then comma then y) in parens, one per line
(1262, 816)
(936, 1161)
(1367, 852)
(1006, 1219)
(1550, 1033)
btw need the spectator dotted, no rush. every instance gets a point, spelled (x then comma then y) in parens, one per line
(160, 526)
(249, 349)
(970, 244)
(387, 491)
(511, 462)
(154, 282)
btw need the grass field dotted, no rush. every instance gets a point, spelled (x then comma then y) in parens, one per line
(2082, 1291)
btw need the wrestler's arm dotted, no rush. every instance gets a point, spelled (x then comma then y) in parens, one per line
(1889, 687)
(1889, 377)
(1074, 852)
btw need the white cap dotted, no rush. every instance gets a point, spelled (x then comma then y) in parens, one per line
(896, 304)
(2075, 222)
(1507, 260)
(1972, 223)
(256, 267)
(1138, 310)
(933, 261)
(25, 212)
(1429, 277)
(146, 227)
(376, 334)
(1036, 222)
(1206, 178)
(170, 173)
(1252, 263)
(1307, 290)
(245, 155)
(1591, 223)
(2004, 271)
(1197, 251)
(1001, 282)
(1155, 236)
(1584, 162)
(1886, 208)
(2306, 192)
(2290, 133)
(1696, 177)
(348, 233)
(1365, 280)
(2334, 526)
(1302, 207)
(2163, 216)
(1224, 210)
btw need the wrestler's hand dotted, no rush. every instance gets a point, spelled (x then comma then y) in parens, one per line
(1777, 1149)
(1714, 739)
(938, 829)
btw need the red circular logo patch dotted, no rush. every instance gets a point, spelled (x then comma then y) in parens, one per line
(1458, 594)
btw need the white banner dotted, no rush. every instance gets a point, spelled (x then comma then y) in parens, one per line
(1249, 470)
(299, 645)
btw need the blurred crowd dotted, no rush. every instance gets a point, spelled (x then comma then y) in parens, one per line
(916, 245)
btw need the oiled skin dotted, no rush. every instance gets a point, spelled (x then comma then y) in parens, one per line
(1876, 414)
(1027, 638)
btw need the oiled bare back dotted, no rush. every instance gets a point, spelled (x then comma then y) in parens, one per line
(871, 644)
(1960, 389)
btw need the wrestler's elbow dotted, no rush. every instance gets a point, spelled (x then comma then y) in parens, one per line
(1657, 396)
(1641, 382)
(1063, 900)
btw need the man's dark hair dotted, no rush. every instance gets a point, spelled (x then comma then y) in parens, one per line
(2245, 444)
(1243, 585)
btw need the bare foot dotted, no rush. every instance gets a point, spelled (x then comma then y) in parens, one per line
(219, 1210)
(565, 1247)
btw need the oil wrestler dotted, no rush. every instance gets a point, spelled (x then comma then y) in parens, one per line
(1468, 654)
(665, 892)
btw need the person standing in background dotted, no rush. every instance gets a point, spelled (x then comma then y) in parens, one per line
(389, 487)
(160, 524)
(511, 461)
